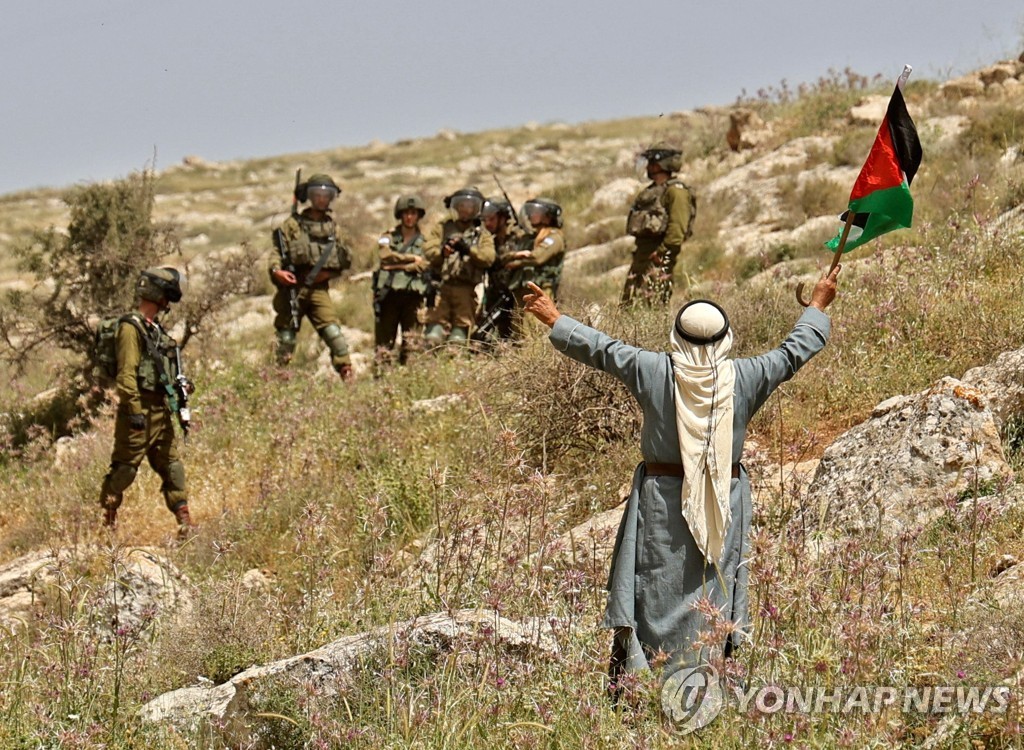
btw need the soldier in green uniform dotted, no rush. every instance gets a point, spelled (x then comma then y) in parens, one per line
(498, 219)
(310, 241)
(144, 425)
(460, 250)
(660, 220)
(400, 285)
(540, 255)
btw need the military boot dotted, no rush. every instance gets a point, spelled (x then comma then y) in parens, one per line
(186, 529)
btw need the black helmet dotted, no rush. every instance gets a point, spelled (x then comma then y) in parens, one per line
(471, 194)
(546, 206)
(405, 202)
(665, 156)
(316, 182)
(496, 206)
(158, 284)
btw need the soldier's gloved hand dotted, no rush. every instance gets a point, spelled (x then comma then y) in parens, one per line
(420, 264)
(190, 387)
(137, 421)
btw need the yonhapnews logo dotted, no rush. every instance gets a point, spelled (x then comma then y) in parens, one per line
(693, 697)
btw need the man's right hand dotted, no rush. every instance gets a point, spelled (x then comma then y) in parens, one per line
(137, 421)
(825, 290)
(284, 278)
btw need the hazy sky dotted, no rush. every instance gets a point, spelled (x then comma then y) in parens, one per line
(90, 88)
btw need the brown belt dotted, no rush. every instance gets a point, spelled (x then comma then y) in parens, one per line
(676, 470)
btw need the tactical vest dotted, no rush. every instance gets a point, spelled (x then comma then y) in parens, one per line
(306, 240)
(546, 276)
(512, 242)
(459, 268)
(148, 373)
(648, 218)
(400, 281)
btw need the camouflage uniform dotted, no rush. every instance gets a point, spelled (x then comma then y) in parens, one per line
(141, 391)
(399, 289)
(460, 273)
(659, 220)
(306, 239)
(543, 268)
(506, 243)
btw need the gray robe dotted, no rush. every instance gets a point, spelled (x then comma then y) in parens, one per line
(658, 572)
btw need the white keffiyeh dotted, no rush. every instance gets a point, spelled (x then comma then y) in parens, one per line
(704, 380)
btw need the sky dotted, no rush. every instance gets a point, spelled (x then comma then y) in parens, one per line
(92, 89)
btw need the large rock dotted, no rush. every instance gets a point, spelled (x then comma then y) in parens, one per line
(226, 710)
(137, 586)
(898, 469)
(1001, 384)
(869, 111)
(618, 194)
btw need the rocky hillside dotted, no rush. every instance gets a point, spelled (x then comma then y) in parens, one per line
(419, 561)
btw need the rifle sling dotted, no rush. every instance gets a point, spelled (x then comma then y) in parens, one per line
(311, 276)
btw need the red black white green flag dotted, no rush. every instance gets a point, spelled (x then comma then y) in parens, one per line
(881, 199)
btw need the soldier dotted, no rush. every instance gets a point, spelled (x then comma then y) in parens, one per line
(660, 219)
(540, 256)
(144, 428)
(498, 299)
(460, 250)
(401, 283)
(309, 241)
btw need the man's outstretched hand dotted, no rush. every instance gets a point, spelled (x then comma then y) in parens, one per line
(541, 305)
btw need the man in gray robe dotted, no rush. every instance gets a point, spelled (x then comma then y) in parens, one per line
(684, 536)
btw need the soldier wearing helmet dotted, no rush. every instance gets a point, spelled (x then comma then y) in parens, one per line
(540, 254)
(144, 425)
(310, 240)
(499, 219)
(401, 283)
(460, 250)
(660, 219)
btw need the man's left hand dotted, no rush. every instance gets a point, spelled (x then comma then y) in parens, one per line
(540, 305)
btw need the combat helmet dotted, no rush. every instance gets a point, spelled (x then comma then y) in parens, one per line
(665, 156)
(318, 181)
(405, 202)
(546, 206)
(160, 283)
(496, 206)
(469, 193)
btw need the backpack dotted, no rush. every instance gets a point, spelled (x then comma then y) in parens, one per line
(104, 350)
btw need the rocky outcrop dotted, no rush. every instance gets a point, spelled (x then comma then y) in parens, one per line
(1001, 384)
(137, 586)
(993, 81)
(227, 710)
(898, 469)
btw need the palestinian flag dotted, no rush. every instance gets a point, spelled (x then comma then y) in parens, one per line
(881, 199)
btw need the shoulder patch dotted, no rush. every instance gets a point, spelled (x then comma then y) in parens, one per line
(384, 241)
(548, 241)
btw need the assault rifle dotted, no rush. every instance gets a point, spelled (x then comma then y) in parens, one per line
(502, 305)
(287, 264)
(511, 207)
(182, 388)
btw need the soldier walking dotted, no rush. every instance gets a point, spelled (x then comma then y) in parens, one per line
(147, 368)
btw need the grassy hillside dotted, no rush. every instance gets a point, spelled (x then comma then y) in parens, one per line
(335, 489)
